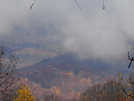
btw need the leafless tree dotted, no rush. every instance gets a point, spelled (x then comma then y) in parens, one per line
(128, 89)
(103, 92)
(7, 72)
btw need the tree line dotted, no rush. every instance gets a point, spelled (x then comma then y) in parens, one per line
(119, 90)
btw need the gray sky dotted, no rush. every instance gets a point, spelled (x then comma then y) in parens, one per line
(61, 26)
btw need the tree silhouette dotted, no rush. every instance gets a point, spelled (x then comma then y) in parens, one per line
(104, 92)
(128, 89)
(131, 60)
(7, 72)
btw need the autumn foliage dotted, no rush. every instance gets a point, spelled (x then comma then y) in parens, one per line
(54, 84)
(109, 91)
(24, 94)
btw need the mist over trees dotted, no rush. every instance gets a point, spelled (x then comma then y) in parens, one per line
(67, 80)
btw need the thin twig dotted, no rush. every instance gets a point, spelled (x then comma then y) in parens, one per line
(123, 89)
(130, 80)
(32, 5)
(78, 5)
(131, 59)
(103, 6)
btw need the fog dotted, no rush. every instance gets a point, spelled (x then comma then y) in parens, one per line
(61, 26)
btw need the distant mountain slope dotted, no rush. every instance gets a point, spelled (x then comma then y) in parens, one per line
(70, 62)
(47, 70)
(66, 76)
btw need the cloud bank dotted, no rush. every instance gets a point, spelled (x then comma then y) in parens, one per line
(60, 25)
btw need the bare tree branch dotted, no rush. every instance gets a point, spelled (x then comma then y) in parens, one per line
(103, 6)
(32, 5)
(123, 89)
(131, 59)
(7, 71)
(130, 80)
(78, 5)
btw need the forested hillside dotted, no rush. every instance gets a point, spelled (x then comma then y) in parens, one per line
(67, 76)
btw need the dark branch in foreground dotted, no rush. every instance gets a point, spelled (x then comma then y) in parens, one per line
(127, 92)
(130, 80)
(7, 71)
(32, 5)
(131, 59)
(103, 6)
(78, 4)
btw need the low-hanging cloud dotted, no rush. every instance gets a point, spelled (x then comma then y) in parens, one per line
(90, 33)
(105, 35)
(97, 36)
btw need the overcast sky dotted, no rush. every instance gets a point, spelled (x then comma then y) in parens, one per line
(60, 25)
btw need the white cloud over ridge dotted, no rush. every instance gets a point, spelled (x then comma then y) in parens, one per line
(89, 33)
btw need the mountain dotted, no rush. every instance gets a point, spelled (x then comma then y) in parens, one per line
(66, 74)
(63, 63)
